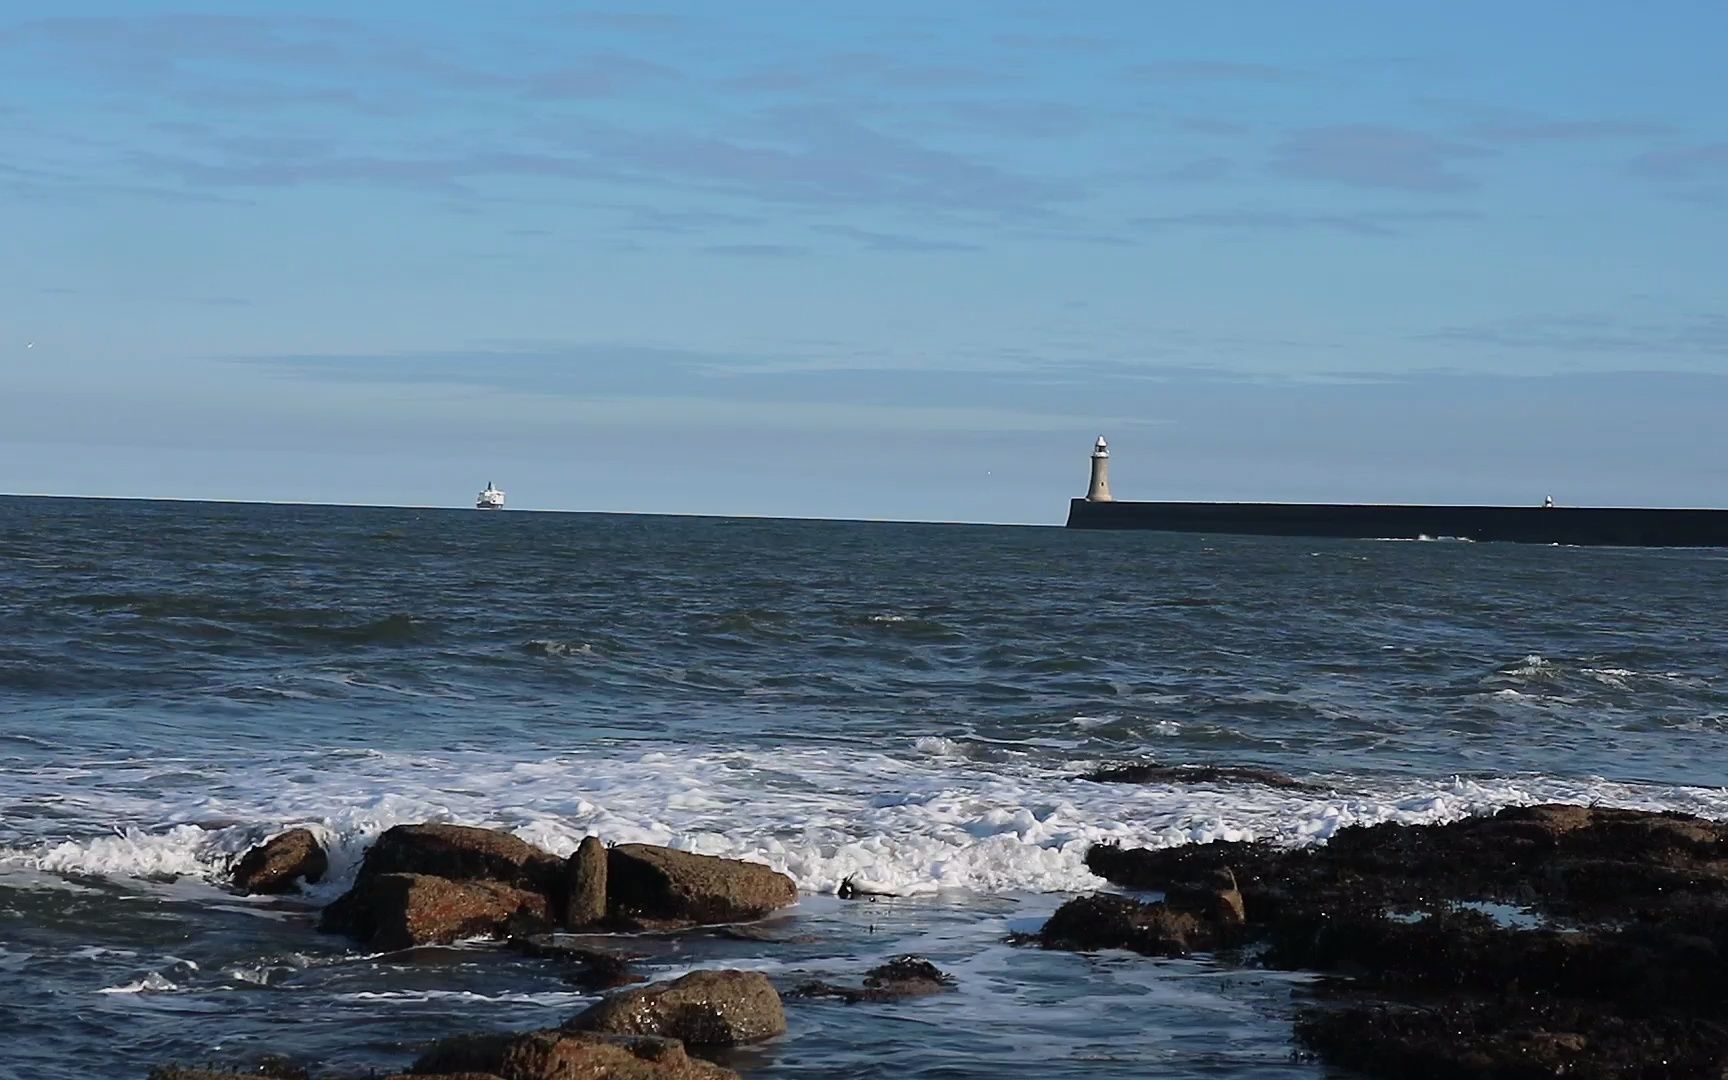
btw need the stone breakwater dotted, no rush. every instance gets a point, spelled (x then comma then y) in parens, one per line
(1551, 940)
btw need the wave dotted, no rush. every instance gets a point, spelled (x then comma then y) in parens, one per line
(945, 816)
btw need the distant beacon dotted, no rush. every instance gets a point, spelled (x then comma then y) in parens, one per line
(1099, 489)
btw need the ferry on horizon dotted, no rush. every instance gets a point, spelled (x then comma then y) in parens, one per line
(490, 499)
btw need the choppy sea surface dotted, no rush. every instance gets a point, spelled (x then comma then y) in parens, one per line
(909, 705)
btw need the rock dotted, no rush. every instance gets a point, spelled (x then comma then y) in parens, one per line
(1117, 922)
(562, 1055)
(1217, 900)
(1540, 941)
(898, 979)
(585, 884)
(1146, 773)
(396, 911)
(271, 1068)
(463, 853)
(445, 1076)
(704, 1008)
(277, 864)
(600, 969)
(657, 886)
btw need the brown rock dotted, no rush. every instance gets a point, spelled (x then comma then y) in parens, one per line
(277, 864)
(704, 1008)
(651, 885)
(585, 884)
(463, 853)
(396, 911)
(559, 1055)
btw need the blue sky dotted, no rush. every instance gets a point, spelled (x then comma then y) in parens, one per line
(866, 260)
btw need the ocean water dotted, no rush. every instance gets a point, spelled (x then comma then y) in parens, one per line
(909, 705)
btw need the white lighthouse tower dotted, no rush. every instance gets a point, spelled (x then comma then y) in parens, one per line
(1099, 489)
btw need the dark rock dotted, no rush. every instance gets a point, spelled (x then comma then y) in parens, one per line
(704, 1008)
(396, 911)
(1217, 899)
(651, 886)
(599, 968)
(276, 865)
(1146, 773)
(562, 1055)
(1117, 922)
(900, 978)
(1541, 941)
(909, 975)
(849, 889)
(270, 1068)
(585, 884)
(1508, 1039)
(464, 853)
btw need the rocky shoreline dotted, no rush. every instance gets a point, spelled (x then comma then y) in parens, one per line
(1545, 941)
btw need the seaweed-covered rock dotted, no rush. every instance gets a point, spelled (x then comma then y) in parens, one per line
(655, 886)
(1118, 922)
(900, 978)
(278, 864)
(704, 1008)
(396, 911)
(1540, 941)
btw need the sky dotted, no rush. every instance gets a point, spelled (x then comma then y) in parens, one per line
(866, 260)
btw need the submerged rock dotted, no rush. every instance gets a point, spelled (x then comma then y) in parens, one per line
(654, 886)
(898, 979)
(563, 1055)
(1147, 773)
(277, 865)
(704, 1008)
(599, 968)
(396, 911)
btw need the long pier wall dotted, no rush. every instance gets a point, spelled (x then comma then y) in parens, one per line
(1583, 525)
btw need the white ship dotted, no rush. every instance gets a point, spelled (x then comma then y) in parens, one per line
(490, 499)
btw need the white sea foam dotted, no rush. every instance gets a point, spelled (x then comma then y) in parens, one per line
(944, 816)
(155, 982)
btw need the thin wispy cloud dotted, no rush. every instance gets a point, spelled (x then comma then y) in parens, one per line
(1376, 156)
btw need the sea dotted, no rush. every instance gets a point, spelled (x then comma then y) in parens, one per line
(910, 706)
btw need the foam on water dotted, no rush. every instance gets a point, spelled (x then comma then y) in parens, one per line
(951, 814)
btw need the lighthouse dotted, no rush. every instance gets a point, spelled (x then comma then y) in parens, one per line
(1099, 489)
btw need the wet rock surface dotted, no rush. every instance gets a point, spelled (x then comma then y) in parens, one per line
(432, 884)
(585, 884)
(704, 1008)
(1150, 773)
(563, 1055)
(278, 864)
(1542, 941)
(398, 911)
(900, 978)
(655, 887)
(463, 853)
